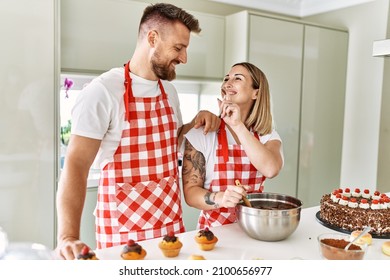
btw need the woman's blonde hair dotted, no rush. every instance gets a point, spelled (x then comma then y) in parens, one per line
(260, 117)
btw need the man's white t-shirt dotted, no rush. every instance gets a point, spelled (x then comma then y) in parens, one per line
(207, 145)
(99, 110)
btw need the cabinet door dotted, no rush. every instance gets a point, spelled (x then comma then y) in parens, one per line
(206, 50)
(97, 35)
(276, 48)
(322, 117)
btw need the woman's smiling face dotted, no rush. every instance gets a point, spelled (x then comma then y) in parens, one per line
(237, 86)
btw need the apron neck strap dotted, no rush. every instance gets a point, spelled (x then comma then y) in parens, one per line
(222, 139)
(129, 92)
(127, 84)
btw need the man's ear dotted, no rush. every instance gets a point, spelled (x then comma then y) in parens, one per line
(152, 37)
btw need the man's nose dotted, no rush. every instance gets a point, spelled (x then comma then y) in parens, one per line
(183, 57)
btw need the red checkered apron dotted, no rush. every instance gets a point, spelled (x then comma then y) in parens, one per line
(232, 164)
(139, 196)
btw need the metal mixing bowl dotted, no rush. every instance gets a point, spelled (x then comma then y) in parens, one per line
(269, 219)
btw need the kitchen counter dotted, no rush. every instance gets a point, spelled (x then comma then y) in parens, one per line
(234, 244)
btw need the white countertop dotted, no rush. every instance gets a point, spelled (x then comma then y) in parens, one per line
(234, 244)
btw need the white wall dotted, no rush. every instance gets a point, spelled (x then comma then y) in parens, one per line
(366, 23)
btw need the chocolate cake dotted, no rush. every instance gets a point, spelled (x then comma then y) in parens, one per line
(354, 210)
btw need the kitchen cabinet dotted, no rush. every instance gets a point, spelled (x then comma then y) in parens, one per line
(206, 50)
(29, 84)
(322, 112)
(306, 69)
(97, 35)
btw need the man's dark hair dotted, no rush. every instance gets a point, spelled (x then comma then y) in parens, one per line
(162, 13)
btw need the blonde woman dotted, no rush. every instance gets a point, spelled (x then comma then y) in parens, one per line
(246, 148)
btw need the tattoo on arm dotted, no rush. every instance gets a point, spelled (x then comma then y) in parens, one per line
(194, 166)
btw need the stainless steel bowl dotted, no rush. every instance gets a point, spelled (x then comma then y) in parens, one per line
(272, 217)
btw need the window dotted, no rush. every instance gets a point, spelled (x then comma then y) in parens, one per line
(197, 95)
(67, 100)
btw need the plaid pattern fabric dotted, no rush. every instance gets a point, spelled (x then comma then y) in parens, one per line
(148, 151)
(138, 196)
(238, 167)
(106, 239)
(152, 197)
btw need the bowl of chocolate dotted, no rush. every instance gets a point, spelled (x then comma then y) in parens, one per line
(271, 217)
(332, 247)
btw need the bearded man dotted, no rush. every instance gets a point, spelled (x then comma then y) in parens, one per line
(127, 122)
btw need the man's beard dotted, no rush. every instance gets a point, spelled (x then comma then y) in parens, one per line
(162, 70)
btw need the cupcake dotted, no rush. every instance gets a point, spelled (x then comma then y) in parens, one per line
(86, 254)
(170, 245)
(196, 257)
(206, 239)
(386, 248)
(366, 238)
(133, 251)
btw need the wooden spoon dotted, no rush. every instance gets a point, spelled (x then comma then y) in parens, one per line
(246, 201)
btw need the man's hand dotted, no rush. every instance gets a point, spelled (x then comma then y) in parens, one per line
(69, 249)
(208, 120)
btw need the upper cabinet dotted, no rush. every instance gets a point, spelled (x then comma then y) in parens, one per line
(306, 70)
(206, 50)
(97, 35)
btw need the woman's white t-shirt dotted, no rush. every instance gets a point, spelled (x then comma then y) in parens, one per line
(99, 109)
(207, 145)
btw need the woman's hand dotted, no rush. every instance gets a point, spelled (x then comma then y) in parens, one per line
(230, 112)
